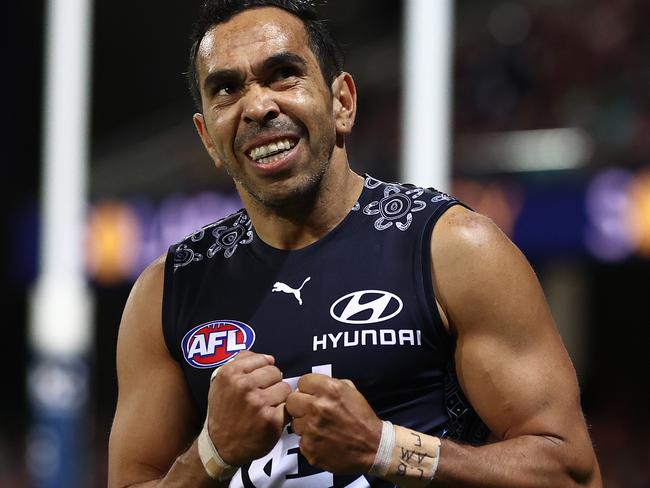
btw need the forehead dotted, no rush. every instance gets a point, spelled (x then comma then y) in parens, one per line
(250, 37)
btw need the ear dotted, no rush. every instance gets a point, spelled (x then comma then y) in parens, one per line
(199, 123)
(344, 93)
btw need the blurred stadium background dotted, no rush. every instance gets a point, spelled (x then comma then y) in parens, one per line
(551, 138)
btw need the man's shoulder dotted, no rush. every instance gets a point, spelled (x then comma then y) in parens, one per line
(461, 231)
(221, 237)
(472, 258)
(408, 188)
(238, 218)
(151, 277)
(403, 205)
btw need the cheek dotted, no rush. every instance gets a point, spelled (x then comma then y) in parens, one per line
(301, 98)
(312, 102)
(223, 130)
(318, 117)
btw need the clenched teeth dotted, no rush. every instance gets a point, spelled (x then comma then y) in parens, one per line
(263, 154)
(269, 159)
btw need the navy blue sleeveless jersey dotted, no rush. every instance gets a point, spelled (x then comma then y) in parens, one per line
(357, 304)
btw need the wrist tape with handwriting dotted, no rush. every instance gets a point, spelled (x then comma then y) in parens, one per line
(405, 456)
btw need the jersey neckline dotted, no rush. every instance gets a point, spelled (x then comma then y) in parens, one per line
(259, 247)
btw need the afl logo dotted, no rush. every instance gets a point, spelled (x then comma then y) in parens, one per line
(366, 307)
(214, 343)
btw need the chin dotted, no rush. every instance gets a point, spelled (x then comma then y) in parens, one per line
(291, 193)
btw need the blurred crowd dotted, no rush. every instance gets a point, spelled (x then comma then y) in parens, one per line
(579, 63)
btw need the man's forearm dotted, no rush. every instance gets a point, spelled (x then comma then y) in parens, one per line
(526, 461)
(186, 472)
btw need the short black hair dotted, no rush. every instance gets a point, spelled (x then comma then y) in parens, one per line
(327, 50)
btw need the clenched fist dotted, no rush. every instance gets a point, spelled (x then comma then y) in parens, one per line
(246, 413)
(339, 430)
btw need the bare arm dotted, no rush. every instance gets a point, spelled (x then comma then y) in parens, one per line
(152, 441)
(155, 421)
(511, 364)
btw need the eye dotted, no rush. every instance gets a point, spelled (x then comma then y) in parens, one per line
(225, 89)
(286, 72)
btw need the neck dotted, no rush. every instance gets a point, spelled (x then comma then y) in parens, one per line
(298, 225)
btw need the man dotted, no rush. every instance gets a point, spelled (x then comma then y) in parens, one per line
(360, 311)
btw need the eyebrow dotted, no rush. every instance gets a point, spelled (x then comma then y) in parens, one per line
(218, 77)
(283, 59)
(230, 75)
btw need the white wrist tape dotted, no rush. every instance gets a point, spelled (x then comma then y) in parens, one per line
(384, 455)
(213, 463)
(436, 461)
(406, 457)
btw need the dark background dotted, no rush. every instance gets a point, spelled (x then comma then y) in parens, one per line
(518, 65)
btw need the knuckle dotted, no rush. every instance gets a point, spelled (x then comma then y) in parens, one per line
(242, 354)
(306, 448)
(289, 404)
(254, 399)
(304, 378)
(333, 388)
(316, 459)
(320, 408)
(286, 391)
(267, 415)
(276, 371)
(225, 372)
(242, 383)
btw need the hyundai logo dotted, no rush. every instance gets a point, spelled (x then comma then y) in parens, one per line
(366, 307)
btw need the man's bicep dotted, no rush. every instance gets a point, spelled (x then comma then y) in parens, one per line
(154, 419)
(509, 357)
(518, 390)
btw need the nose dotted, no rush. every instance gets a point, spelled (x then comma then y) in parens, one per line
(259, 105)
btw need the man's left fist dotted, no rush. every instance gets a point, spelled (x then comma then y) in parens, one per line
(339, 431)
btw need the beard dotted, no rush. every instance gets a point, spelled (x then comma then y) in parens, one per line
(295, 191)
(302, 190)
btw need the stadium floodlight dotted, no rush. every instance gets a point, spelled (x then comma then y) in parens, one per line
(60, 329)
(427, 92)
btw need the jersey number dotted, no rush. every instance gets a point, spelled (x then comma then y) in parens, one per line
(286, 467)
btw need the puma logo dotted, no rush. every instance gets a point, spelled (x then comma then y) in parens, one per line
(284, 288)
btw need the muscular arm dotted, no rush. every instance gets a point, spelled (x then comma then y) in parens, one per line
(152, 441)
(510, 362)
(155, 421)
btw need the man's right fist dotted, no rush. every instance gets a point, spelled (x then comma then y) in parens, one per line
(246, 413)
